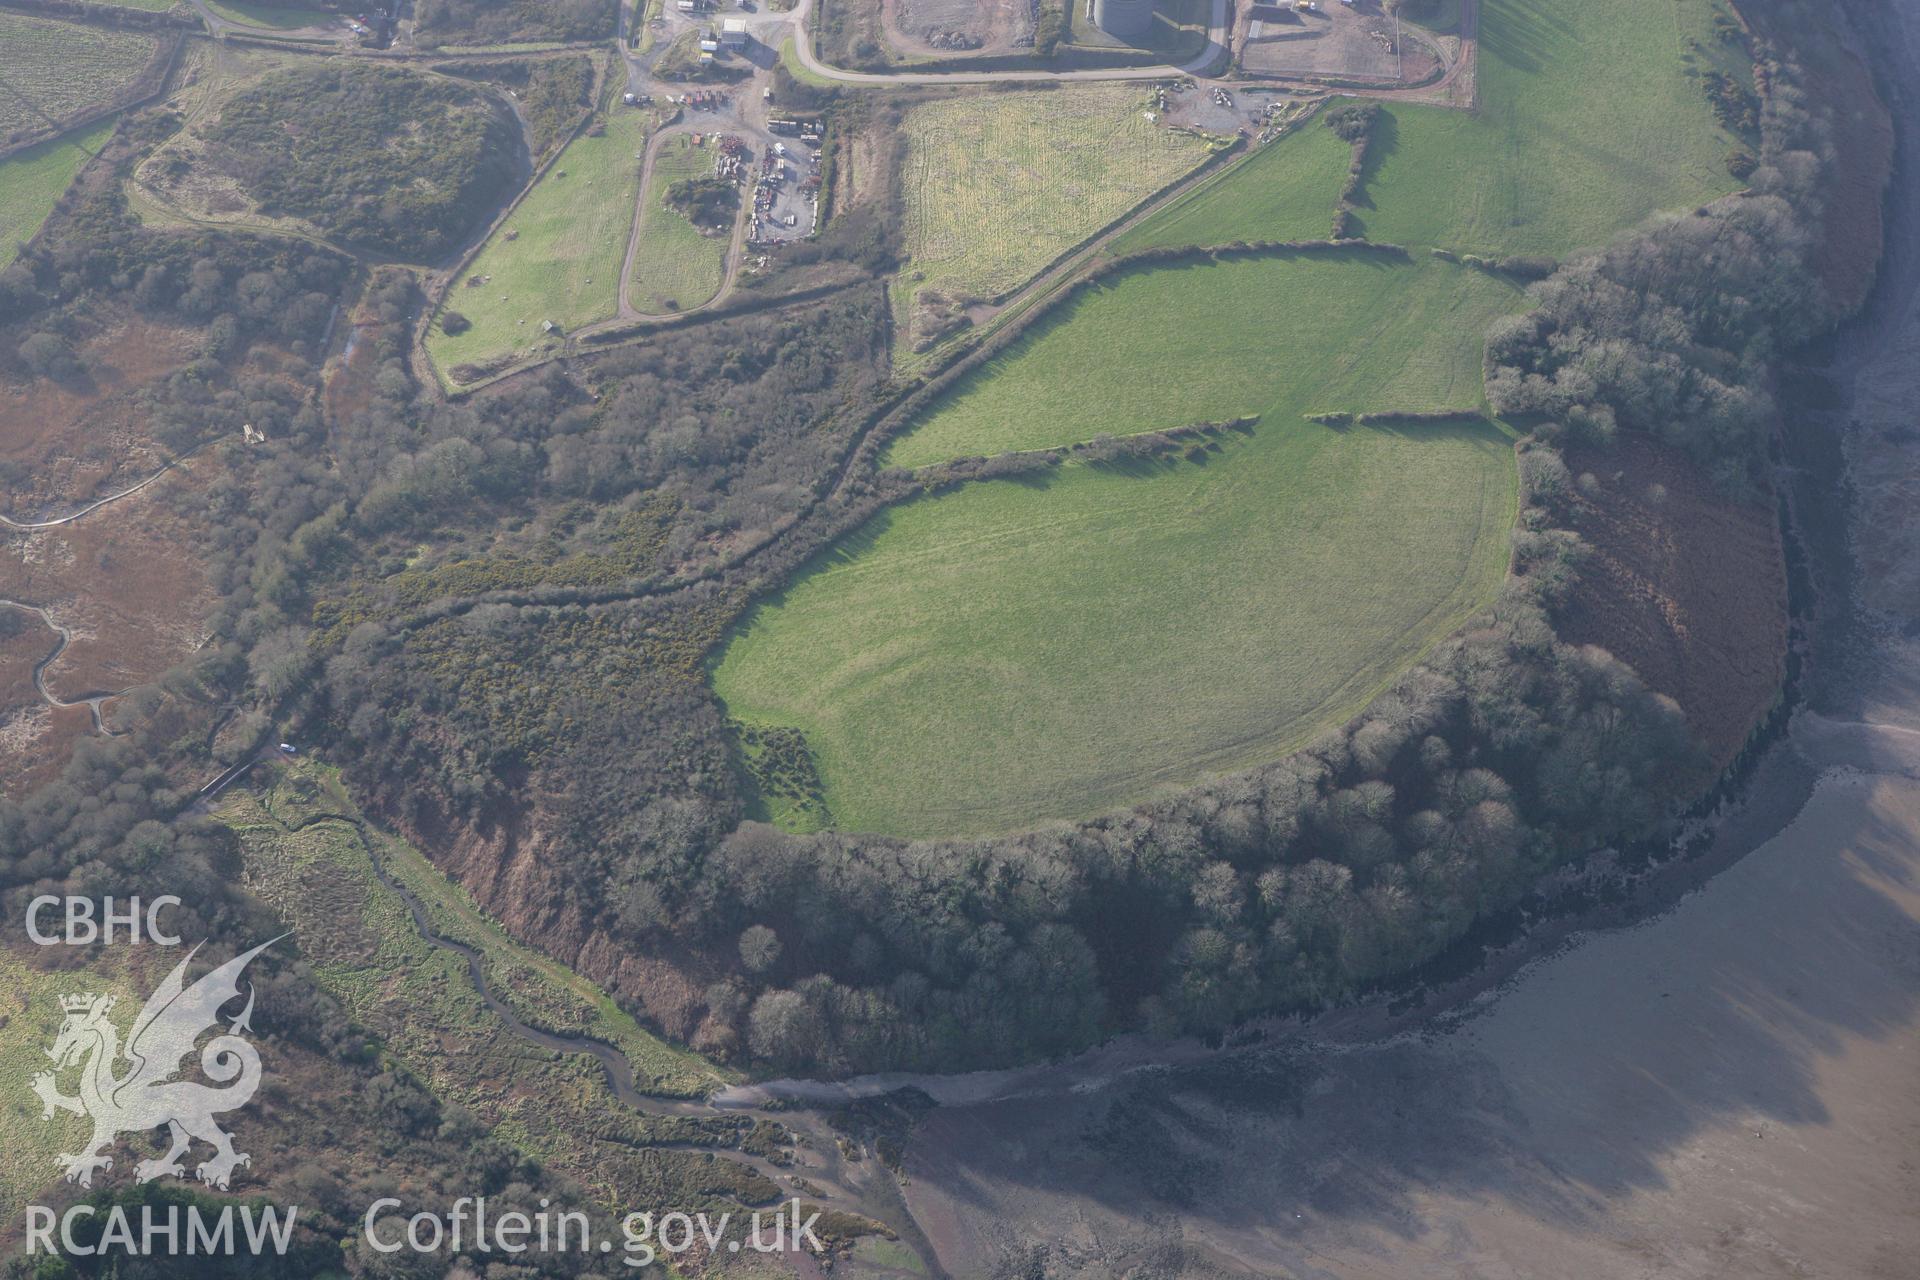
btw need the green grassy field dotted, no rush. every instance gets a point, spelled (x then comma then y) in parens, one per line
(32, 180)
(50, 69)
(569, 239)
(996, 187)
(1170, 346)
(1013, 651)
(675, 266)
(1284, 191)
(1587, 124)
(1060, 645)
(272, 17)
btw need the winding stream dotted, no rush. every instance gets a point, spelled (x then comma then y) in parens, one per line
(63, 638)
(868, 1191)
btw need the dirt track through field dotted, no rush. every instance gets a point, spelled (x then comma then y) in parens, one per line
(626, 312)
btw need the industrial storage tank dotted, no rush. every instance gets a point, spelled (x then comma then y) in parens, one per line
(1127, 19)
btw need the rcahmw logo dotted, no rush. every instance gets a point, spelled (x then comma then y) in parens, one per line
(144, 1095)
(161, 1230)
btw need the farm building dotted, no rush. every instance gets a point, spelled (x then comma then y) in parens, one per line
(733, 33)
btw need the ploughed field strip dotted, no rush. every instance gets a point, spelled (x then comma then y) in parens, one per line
(49, 70)
(1028, 649)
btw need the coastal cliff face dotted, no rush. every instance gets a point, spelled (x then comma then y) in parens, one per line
(504, 863)
(1848, 256)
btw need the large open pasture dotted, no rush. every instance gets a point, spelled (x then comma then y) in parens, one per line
(675, 266)
(1056, 646)
(31, 180)
(997, 187)
(1587, 123)
(1019, 650)
(50, 69)
(1284, 191)
(1168, 346)
(558, 255)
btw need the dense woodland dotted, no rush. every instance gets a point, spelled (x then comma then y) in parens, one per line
(554, 93)
(1674, 331)
(390, 160)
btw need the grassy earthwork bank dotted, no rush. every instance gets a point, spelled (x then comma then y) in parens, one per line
(675, 265)
(31, 1015)
(417, 1002)
(557, 257)
(1284, 191)
(306, 815)
(1053, 647)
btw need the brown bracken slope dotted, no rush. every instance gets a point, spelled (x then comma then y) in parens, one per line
(1682, 584)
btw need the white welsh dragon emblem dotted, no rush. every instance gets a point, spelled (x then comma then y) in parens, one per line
(146, 1096)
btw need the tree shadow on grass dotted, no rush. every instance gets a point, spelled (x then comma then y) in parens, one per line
(1524, 34)
(1384, 144)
